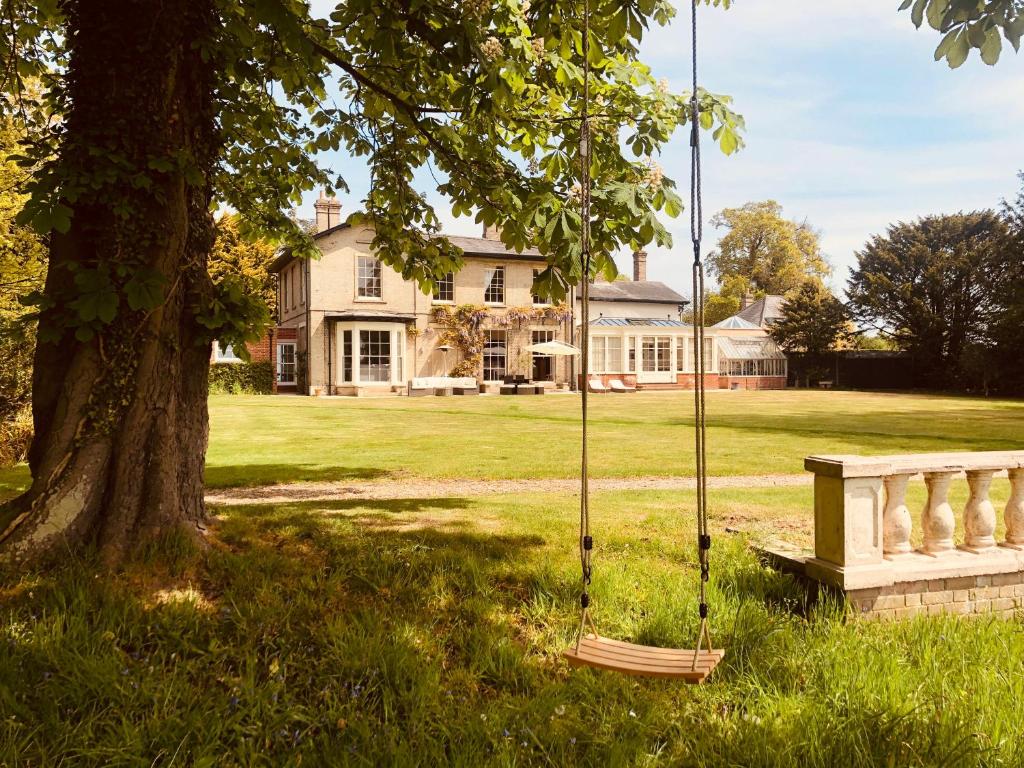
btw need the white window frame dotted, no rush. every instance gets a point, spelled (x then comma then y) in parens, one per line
(488, 333)
(294, 363)
(397, 340)
(490, 274)
(537, 300)
(449, 279)
(365, 259)
(225, 355)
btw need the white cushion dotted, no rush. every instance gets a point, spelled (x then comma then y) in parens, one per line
(421, 384)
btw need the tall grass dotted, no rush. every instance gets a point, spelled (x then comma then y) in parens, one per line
(416, 632)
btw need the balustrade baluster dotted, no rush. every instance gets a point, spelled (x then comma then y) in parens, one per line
(979, 514)
(896, 521)
(938, 521)
(1014, 514)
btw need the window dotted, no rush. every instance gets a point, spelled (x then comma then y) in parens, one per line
(631, 352)
(224, 354)
(606, 354)
(368, 278)
(375, 356)
(680, 353)
(709, 352)
(286, 363)
(291, 284)
(495, 291)
(656, 353)
(494, 355)
(302, 285)
(285, 304)
(444, 290)
(346, 357)
(537, 300)
(399, 357)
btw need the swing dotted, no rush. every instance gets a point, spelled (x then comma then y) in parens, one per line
(591, 649)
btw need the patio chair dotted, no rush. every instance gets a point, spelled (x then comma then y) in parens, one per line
(617, 386)
(420, 388)
(596, 385)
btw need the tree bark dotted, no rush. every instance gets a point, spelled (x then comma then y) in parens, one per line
(120, 417)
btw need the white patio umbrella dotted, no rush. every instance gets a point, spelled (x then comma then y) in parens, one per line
(554, 347)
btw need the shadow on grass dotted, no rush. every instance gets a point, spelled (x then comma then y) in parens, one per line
(310, 633)
(241, 475)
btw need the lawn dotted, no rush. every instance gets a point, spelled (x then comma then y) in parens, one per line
(428, 632)
(257, 440)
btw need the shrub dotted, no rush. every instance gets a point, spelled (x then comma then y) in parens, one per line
(242, 378)
(15, 436)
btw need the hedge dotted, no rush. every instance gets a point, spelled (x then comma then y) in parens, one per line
(242, 378)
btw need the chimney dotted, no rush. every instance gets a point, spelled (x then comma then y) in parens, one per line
(492, 232)
(328, 212)
(746, 301)
(639, 266)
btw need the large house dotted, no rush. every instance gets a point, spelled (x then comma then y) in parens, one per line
(348, 325)
(637, 336)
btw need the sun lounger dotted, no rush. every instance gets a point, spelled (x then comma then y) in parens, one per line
(618, 386)
(596, 385)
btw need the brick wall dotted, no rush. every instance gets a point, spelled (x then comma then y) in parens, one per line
(1001, 594)
(752, 382)
(263, 350)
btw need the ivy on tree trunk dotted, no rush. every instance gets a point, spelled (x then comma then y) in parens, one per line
(120, 405)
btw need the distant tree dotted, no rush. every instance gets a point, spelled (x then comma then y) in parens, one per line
(932, 286)
(764, 253)
(22, 270)
(245, 257)
(813, 320)
(874, 342)
(967, 24)
(1008, 293)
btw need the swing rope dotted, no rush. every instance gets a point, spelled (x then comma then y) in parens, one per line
(586, 540)
(600, 652)
(700, 429)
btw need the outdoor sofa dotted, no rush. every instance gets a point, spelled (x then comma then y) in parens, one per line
(429, 385)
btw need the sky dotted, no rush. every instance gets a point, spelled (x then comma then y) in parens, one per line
(851, 124)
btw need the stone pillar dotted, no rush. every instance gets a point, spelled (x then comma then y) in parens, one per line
(896, 521)
(979, 514)
(1014, 514)
(937, 520)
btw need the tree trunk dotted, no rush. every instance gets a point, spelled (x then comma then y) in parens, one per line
(119, 403)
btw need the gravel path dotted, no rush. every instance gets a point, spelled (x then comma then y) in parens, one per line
(433, 489)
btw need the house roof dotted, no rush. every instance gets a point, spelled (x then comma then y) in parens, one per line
(649, 321)
(764, 311)
(749, 349)
(737, 323)
(650, 291)
(471, 246)
(370, 315)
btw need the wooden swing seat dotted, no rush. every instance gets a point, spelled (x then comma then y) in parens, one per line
(643, 660)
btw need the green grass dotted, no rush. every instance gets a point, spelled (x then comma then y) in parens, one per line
(428, 632)
(258, 440)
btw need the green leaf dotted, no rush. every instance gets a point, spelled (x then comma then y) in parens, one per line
(145, 289)
(958, 50)
(992, 46)
(917, 13)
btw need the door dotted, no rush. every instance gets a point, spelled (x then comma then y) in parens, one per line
(655, 360)
(286, 363)
(543, 365)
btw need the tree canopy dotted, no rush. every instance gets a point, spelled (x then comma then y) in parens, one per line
(813, 321)
(933, 286)
(762, 252)
(970, 24)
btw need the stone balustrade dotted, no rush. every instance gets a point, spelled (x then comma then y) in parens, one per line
(864, 529)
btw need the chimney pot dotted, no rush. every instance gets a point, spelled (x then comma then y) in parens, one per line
(747, 300)
(328, 212)
(492, 232)
(639, 266)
